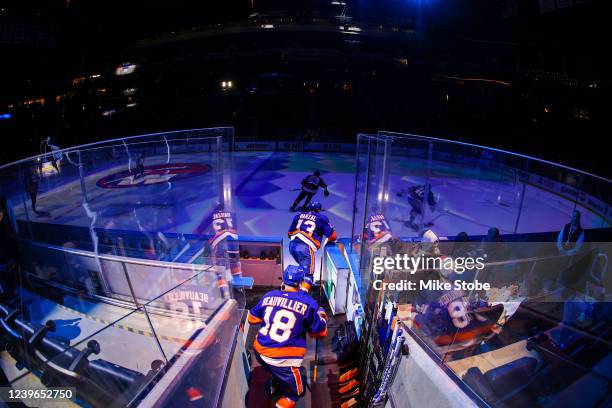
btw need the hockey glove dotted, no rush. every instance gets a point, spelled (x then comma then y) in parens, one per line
(322, 313)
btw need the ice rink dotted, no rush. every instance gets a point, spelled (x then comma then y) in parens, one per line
(178, 193)
(176, 196)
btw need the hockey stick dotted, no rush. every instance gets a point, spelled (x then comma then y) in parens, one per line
(390, 368)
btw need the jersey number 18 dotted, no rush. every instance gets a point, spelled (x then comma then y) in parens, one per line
(282, 324)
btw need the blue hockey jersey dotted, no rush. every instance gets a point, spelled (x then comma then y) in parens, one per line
(377, 229)
(448, 318)
(311, 227)
(286, 317)
(223, 227)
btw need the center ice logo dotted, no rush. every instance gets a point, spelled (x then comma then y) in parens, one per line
(159, 173)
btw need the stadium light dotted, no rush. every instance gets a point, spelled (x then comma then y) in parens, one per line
(126, 68)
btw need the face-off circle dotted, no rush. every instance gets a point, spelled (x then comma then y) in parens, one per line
(156, 174)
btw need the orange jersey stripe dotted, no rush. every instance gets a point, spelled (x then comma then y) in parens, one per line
(379, 235)
(252, 319)
(298, 379)
(311, 239)
(312, 262)
(276, 352)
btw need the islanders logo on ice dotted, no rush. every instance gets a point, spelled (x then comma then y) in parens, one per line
(155, 174)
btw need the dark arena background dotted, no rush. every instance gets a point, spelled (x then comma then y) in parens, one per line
(163, 164)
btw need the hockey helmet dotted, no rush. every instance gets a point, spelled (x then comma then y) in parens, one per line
(293, 275)
(315, 206)
(430, 237)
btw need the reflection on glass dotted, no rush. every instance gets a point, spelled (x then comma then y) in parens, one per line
(113, 282)
(538, 333)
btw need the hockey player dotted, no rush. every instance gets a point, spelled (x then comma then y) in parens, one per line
(225, 239)
(451, 321)
(31, 182)
(139, 172)
(377, 231)
(307, 232)
(280, 345)
(417, 195)
(224, 242)
(310, 185)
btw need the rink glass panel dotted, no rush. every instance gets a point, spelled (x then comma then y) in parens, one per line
(362, 162)
(550, 311)
(129, 191)
(130, 277)
(131, 344)
(371, 194)
(478, 188)
(544, 335)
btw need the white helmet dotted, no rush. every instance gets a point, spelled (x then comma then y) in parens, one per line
(430, 236)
